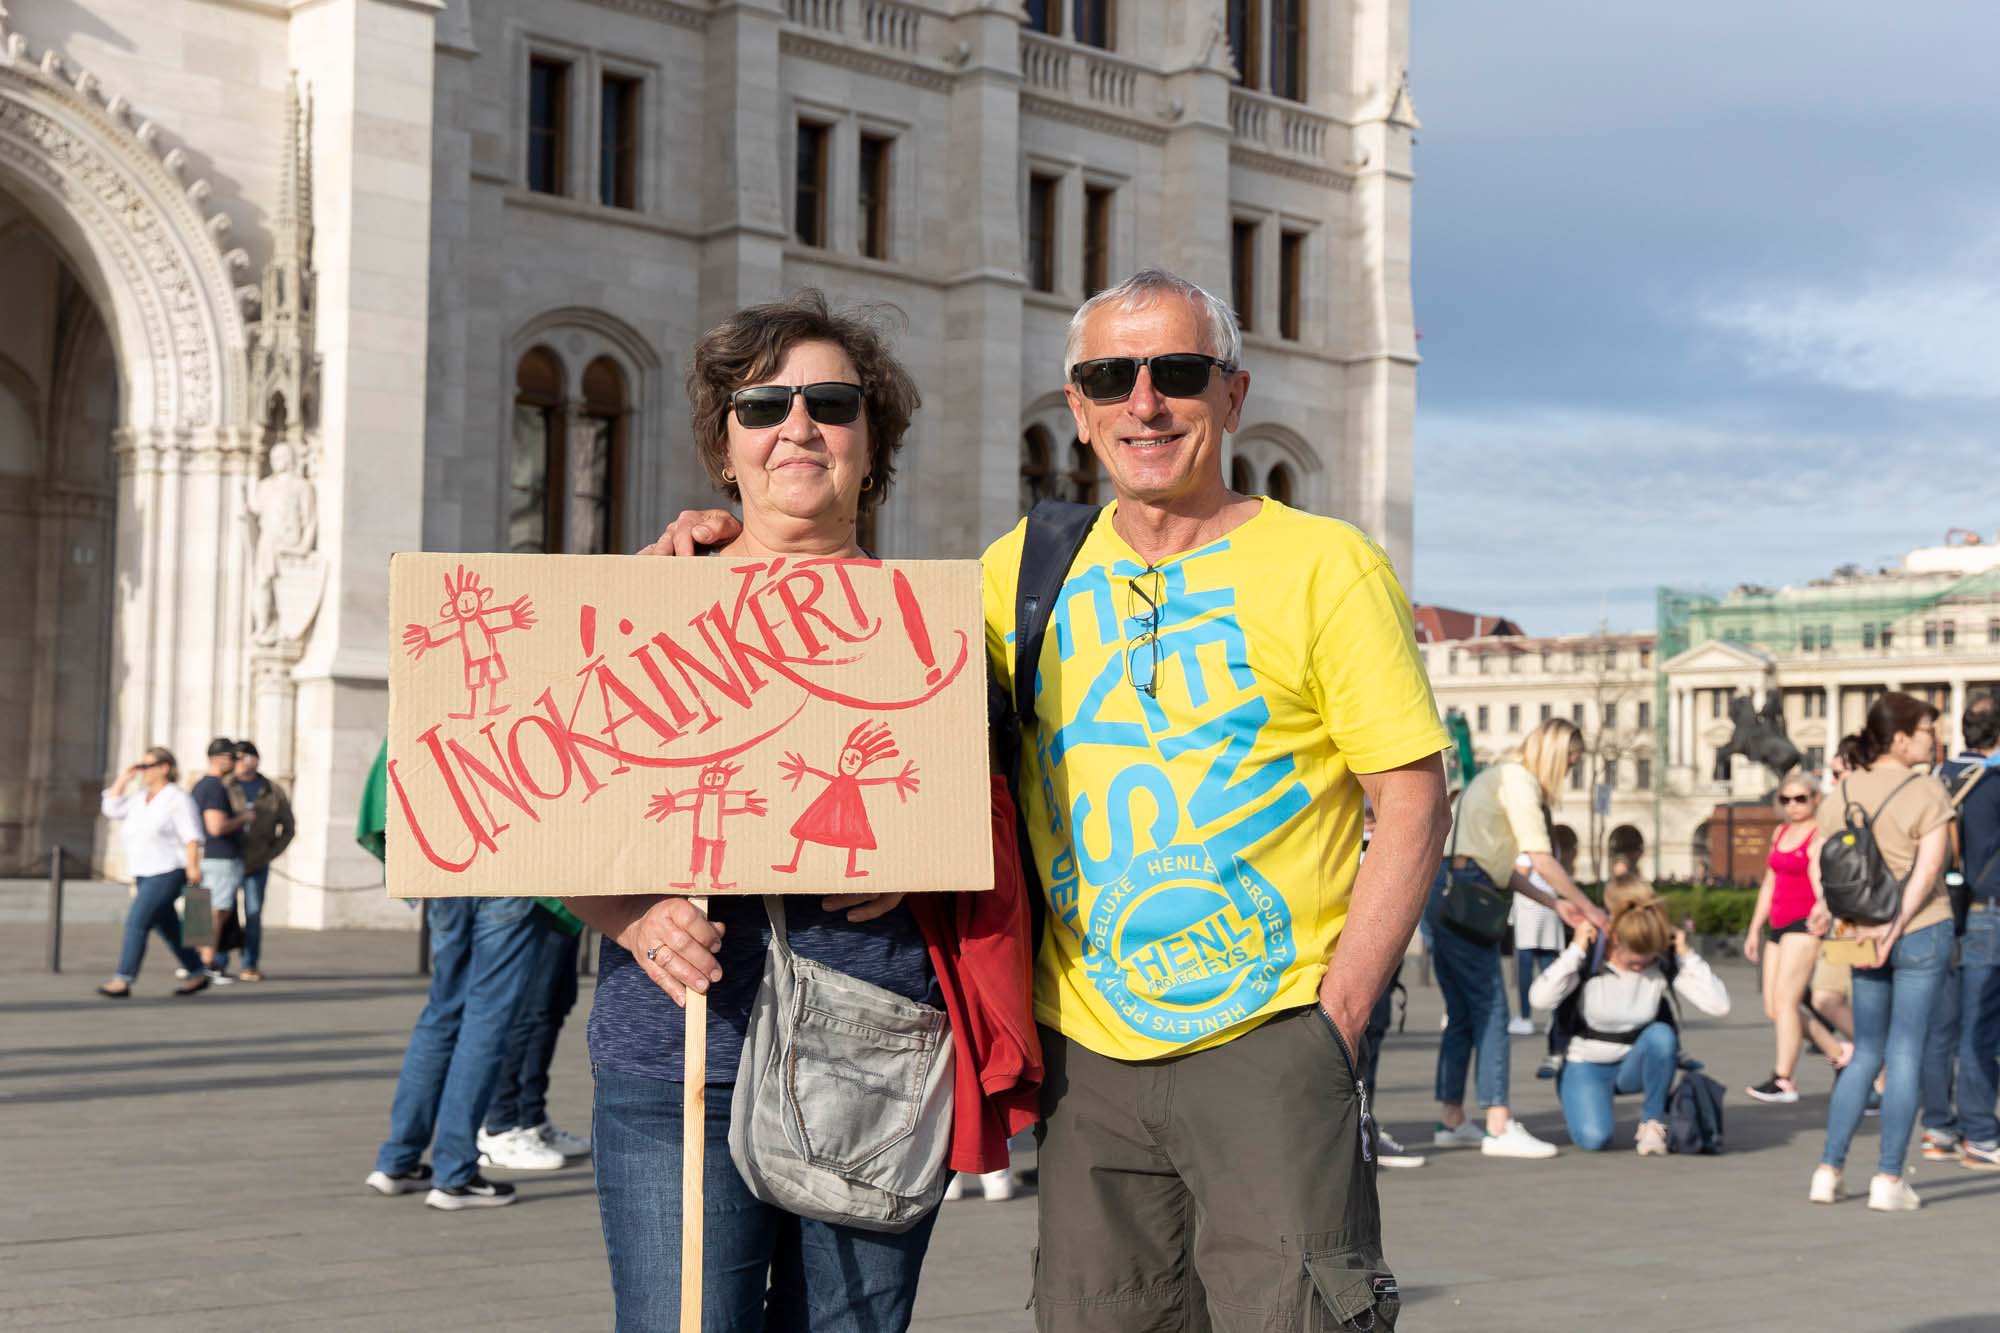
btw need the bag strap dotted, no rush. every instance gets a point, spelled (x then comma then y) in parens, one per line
(774, 911)
(1056, 532)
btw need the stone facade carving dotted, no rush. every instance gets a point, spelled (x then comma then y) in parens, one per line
(55, 125)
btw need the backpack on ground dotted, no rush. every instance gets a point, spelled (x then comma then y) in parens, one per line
(1856, 880)
(1056, 532)
(1694, 1113)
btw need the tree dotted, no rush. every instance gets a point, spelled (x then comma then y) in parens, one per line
(1619, 691)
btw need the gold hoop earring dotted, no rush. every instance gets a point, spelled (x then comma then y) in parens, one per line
(729, 476)
(868, 482)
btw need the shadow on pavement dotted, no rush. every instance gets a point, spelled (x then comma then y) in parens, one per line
(218, 1061)
(194, 1043)
(206, 1083)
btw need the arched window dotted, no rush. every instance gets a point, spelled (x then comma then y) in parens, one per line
(1281, 487)
(1082, 476)
(534, 513)
(1242, 477)
(1038, 467)
(597, 463)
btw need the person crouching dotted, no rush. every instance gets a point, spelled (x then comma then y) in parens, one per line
(1610, 997)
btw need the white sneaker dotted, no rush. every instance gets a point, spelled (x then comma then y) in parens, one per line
(218, 978)
(1516, 1141)
(488, 1144)
(1468, 1134)
(1892, 1194)
(522, 1150)
(956, 1189)
(1826, 1186)
(564, 1142)
(1652, 1139)
(1520, 1027)
(997, 1186)
(180, 974)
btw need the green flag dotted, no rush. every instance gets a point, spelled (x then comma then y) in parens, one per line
(373, 821)
(1460, 756)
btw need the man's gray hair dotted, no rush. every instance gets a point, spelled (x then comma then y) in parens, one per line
(1145, 288)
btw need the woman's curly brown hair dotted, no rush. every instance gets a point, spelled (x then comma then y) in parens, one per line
(747, 347)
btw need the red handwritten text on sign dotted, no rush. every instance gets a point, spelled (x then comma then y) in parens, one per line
(553, 700)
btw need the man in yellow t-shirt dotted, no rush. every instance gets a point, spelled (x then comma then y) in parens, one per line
(1222, 679)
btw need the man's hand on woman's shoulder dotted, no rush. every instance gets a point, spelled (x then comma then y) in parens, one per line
(693, 530)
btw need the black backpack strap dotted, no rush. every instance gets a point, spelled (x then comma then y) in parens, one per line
(1056, 532)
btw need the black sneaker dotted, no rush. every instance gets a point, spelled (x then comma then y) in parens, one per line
(478, 1192)
(1779, 1091)
(403, 1182)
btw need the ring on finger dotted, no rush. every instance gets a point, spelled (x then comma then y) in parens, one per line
(652, 951)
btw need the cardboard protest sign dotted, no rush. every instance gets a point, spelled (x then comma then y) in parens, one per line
(626, 724)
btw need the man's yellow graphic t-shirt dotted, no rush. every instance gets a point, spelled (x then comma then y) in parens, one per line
(1197, 843)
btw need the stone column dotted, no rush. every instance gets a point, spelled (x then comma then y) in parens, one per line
(1674, 707)
(748, 172)
(1832, 718)
(979, 404)
(369, 65)
(1378, 424)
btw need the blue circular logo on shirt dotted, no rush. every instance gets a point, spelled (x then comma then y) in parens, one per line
(1182, 948)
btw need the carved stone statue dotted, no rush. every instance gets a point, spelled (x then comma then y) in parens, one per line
(282, 511)
(1760, 735)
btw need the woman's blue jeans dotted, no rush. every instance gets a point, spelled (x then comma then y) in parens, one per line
(153, 909)
(1475, 998)
(1892, 1011)
(1587, 1089)
(761, 1266)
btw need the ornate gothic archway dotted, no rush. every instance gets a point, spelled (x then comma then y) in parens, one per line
(142, 239)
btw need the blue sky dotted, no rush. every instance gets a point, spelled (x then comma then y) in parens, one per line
(1708, 293)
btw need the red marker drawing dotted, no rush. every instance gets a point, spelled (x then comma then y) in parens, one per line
(913, 625)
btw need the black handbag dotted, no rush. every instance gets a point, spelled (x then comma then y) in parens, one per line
(1472, 905)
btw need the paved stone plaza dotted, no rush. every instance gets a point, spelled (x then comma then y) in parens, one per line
(197, 1164)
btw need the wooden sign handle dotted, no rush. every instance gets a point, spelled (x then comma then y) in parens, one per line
(694, 1137)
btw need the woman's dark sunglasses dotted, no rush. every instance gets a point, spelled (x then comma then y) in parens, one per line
(829, 402)
(1800, 799)
(1175, 374)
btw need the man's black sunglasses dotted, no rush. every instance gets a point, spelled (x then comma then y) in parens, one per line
(830, 403)
(1175, 374)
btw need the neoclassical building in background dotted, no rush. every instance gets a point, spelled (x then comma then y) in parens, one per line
(295, 284)
(1655, 706)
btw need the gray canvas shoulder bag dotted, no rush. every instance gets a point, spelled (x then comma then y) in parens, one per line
(842, 1110)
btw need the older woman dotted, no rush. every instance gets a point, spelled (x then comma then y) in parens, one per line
(798, 413)
(161, 832)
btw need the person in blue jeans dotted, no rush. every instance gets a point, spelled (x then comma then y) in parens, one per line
(1611, 1005)
(1961, 1072)
(1894, 997)
(518, 1132)
(161, 832)
(1502, 816)
(479, 951)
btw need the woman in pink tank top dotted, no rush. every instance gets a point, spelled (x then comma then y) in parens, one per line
(1784, 904)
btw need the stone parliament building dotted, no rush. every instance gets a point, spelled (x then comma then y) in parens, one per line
(292, 285)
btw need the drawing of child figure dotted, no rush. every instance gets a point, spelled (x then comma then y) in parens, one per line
(838, 817)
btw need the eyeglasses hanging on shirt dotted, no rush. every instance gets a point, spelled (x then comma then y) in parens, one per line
(1146, 602)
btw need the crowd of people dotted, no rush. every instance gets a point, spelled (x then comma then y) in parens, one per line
(1206, 1140)
(220, 838)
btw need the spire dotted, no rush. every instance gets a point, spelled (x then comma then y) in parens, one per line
(283, 363)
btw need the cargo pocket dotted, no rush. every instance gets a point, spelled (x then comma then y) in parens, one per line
(855, 1073)
(1353, 1293)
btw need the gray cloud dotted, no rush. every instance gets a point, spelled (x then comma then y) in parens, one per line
(1693, 283)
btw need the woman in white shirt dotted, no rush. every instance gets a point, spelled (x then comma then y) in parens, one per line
(1623, 1039)
(162, 837)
